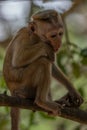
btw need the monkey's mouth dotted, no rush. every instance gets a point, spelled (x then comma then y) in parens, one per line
(56, 45)
(56, 49)
(53, 46)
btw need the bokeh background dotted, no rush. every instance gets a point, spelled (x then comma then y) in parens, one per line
(72, 57)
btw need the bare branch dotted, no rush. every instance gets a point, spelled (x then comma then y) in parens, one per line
(74, 6)
(74, 114)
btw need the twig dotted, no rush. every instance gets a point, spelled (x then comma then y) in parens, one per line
(74, 114)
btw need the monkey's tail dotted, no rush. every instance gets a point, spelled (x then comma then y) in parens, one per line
(15, 112)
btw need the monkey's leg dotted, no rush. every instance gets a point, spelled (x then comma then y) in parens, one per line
(51, 106)
(42, 98)
(49, 95)
(15, 118)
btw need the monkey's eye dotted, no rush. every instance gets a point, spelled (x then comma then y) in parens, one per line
(60, 32)
(53, 35)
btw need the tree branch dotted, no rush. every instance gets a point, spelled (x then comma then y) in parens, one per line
(74, 114)
(76, 3)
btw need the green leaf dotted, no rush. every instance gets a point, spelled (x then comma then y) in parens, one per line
(76, 69)
(2, 82)
(31, 120)
(84, 52)
(84, 61)
(81, 91)
(45, 116)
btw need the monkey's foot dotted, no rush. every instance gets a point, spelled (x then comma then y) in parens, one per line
(71, 100)
(55, 112)
(52, 107)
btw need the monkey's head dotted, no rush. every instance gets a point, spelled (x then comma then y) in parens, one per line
(48, 26)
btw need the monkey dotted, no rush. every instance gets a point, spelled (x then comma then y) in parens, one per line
(29, 64)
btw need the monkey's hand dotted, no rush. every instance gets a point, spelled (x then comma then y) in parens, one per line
(50, 53)
(71, 100)
(75, 99)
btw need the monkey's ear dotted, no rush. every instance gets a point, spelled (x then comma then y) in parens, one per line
(32, 26)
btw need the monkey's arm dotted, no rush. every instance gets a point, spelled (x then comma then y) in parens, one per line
(73, 96)
(24, 54)
(59, 75)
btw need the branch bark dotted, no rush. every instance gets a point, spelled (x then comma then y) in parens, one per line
(74, 114)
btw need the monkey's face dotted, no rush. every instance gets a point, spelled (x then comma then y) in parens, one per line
(50, 31)
(55, 38)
